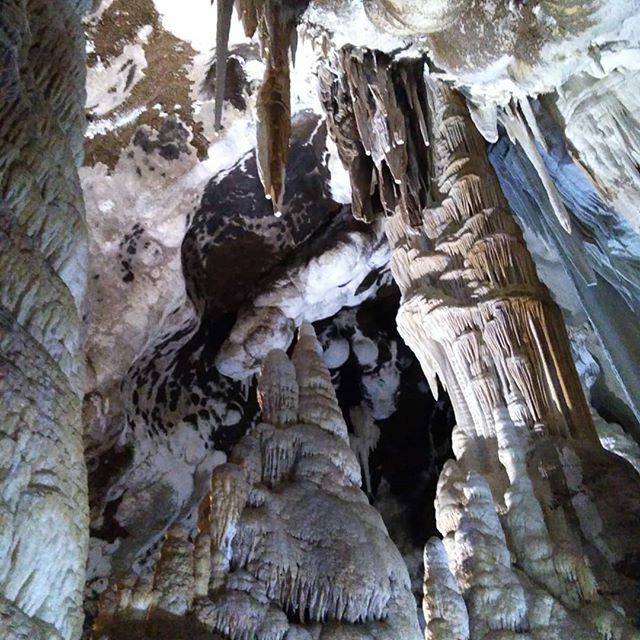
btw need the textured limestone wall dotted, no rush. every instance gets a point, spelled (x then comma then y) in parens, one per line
(43, 495)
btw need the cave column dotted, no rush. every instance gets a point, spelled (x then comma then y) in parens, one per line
(44, 525)
(473, 308)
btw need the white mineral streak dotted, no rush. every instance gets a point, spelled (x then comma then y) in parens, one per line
(110, 84)
(296, 549)
(520, 125)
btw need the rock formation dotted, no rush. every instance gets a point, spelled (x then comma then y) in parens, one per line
(286, 543)
(475, 313)
(461, 174)
(43, 487)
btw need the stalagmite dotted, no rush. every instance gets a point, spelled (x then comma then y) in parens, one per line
(278, 392)
(174, 579)
(443, 606)
(228, 498)
(318, 402)
(295, 544)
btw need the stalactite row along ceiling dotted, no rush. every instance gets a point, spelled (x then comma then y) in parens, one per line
(448, 191)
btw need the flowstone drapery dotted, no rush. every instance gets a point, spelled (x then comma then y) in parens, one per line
(287, 545)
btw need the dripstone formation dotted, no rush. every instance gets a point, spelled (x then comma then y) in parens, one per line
(449, 191)
(286, 544)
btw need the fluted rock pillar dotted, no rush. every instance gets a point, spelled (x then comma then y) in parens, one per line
(529, 542)
(473, 308)
(475, 313)
(43, 249)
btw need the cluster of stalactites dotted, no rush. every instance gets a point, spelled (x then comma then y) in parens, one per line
(275, 22)
(376, 110)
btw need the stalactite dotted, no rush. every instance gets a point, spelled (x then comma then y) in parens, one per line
(223, 26)
(364, 439)
(274, 101)
(364, 97)
(247, 9)
(520, 124)
(276, 22)
(598, 115)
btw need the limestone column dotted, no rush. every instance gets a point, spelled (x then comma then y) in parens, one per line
(472, 307)
(43, 250)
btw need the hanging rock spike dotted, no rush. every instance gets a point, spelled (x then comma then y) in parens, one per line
(225, 9)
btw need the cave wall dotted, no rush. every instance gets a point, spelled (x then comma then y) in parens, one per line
(43, 486)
